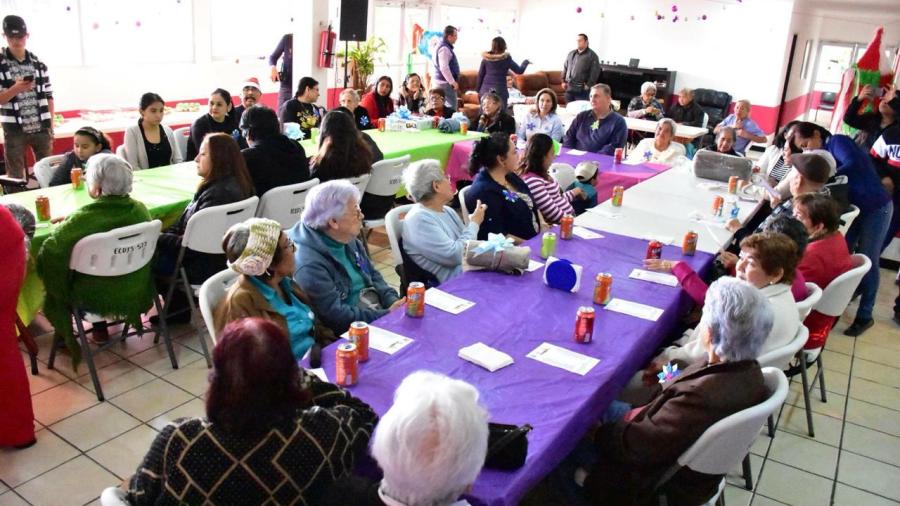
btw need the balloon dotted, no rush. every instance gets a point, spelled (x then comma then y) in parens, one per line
(674, 8)
(578, 10)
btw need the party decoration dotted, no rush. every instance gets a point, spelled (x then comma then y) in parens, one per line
(292, 131)
(872, 69)
(137, 24)
(675, 19)
(632, 17)
(578, 10)
(674, 8)
(68, 8)
(703, 17)
(95, 26)
(417, 32)
(562, 274)
(595, 125)
(495, 243)
(670, 371)
(429, 42)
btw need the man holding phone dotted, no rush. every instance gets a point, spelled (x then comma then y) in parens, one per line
(26, 100)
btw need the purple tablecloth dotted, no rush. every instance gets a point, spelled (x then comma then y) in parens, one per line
(611, 173)
(516, 314)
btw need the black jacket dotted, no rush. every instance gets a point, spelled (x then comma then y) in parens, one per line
(277, 161)
(503, 123)
(692, 115)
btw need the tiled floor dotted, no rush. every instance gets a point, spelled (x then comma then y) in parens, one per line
(84, 446)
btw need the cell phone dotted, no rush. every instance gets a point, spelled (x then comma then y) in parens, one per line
(879, 92)
(28, 78)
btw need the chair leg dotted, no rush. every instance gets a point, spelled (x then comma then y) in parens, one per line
(32, 347)
(748, 472)
(53, 347)
(771, 423)
(164, 330)
(190, 298)
(88, 355)
(805, 379)
(821, 373)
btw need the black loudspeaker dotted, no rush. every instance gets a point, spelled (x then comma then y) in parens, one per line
(354, 14)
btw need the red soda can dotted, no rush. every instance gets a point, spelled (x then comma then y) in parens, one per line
(566, 226)
(619, 154)
(346, 365)
(689, 245)
(617, 195)
(42, 206)
(584, 325)
(603, 288)
(718, 204)
(654, 249)
(733, 184)
(381, 124)
(359, 335)
(415, 300)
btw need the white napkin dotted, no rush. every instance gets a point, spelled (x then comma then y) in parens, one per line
(485, 356)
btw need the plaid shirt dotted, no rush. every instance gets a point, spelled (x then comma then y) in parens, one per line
(29, 110)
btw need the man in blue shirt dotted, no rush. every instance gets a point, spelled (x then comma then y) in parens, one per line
(746, 129)
(599, 129)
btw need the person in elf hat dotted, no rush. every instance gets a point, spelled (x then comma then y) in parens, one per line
(250, 95)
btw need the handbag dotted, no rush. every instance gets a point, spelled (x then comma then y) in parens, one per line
(507, 446)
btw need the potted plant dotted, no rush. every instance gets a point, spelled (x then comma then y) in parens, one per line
(361, 60)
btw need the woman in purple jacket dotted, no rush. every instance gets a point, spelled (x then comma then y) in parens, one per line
(495, 65)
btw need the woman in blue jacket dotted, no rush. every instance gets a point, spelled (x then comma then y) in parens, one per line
(866, 192)
(495, 66)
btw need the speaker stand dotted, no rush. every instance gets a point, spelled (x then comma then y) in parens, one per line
(346, 50)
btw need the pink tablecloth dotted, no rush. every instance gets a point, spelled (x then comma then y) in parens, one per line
(611, 173)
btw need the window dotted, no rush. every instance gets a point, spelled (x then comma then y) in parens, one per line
(477, 27)
(394, 23)
(247, 30)
(55, 34)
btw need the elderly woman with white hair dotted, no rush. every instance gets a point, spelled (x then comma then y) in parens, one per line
(637, 449)
(661, 148)
(108, 184)
(332, 265)
(745, 129)
(349, 99)
(434, 237)
(431, 445)
(645, 105)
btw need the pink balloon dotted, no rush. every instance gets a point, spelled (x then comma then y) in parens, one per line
(578, 10)
(674, 8)
(703, 17)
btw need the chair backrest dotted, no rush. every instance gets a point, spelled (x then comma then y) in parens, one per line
(828, 98)
(705, 120)
(780, 357)
(847, 219)
(120, 151)
(360, 182)
(211, 292)
(118, 252)
(181, 139)
(43, 169)
(207, 227)
(836, 296)
(462, 204)
(722, 446)
(563, 174)
(387, 176)
(284, 204)
(393, 223)
(578, 106)
(813, 295)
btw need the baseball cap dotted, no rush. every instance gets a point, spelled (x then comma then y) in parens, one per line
(251, 82)
(14, 26)
(585, 171)
(812, 166)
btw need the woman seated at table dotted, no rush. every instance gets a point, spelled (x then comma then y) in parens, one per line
(436, 104)
(412, 94)
(333, 267)
(434, 236)
(510, 207)
(534, 168)
(661, 148)
(224, 180)
(775, 163)
(378, 102)
(218, 119)
(745, 129)
(87, 142)
(633, 452)
(264, 256)
(645, 105)
(493, 118)
(724, 142)
(349, 99)
(151, 144)
(272, 159)
(543, 118)
(261, 409)
(108, 184)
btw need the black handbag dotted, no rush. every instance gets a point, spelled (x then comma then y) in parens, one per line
(507, 446)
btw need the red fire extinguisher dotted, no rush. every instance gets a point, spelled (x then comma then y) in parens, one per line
(326, 47)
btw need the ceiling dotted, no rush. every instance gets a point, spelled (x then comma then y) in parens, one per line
(881, 11)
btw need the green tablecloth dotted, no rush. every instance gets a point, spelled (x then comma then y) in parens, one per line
(165, 191)
(418, 145)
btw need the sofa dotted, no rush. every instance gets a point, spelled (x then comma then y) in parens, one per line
(529, 84)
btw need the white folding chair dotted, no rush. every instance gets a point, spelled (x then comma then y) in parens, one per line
(461, 194)
(114, 496)
(43, 169)
(386, 180)
(360, 182)
(284, 204)
(120, 151)
(118, 252)
(394, 226)
(847, 219)
(727, 442)
(813, 295)
(781, 358)
(563, 174)
(211, 292)
(203, 234)
(181, 140)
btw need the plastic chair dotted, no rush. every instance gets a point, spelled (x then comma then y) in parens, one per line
(805, 306)
(285, 203)
(181, 140)
(203, 234)
(462, 204)
(394, 227)
(847, 219)
(563, 174)
(118, 252)
(211, 292)
(360, 182)
(114, 496)
(43, 169)
(826, 103)
(781, 358)
(385, 181)
(120, 151)
(727, 442)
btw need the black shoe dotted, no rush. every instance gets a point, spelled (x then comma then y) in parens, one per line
(176, 319)
(858, 327)
(897, 317)
(23, 446)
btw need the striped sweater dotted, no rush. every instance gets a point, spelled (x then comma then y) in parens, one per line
(549, 199)
(30, 107)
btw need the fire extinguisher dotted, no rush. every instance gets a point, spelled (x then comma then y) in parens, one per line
(326, 47)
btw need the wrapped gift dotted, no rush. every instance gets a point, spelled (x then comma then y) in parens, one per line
(496, 254)
(562, 274)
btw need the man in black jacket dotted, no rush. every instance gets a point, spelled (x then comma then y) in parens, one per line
(272, 159)
(581, 70)
(686, 111)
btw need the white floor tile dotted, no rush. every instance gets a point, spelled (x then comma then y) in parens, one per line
(117, 378)
(194, 408)
(156, 360)
(879, 354)
(94, 426)
(875, 393)
(123, 454)
(805, 454)
(871, 443)
(793, 486)
(845, 494)
(873, 417)
(193, 377)
(12, 499)
(870, 475)
(61, 401)
(151, 400)
(878, 373)
(18, 466)
(75, 483)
